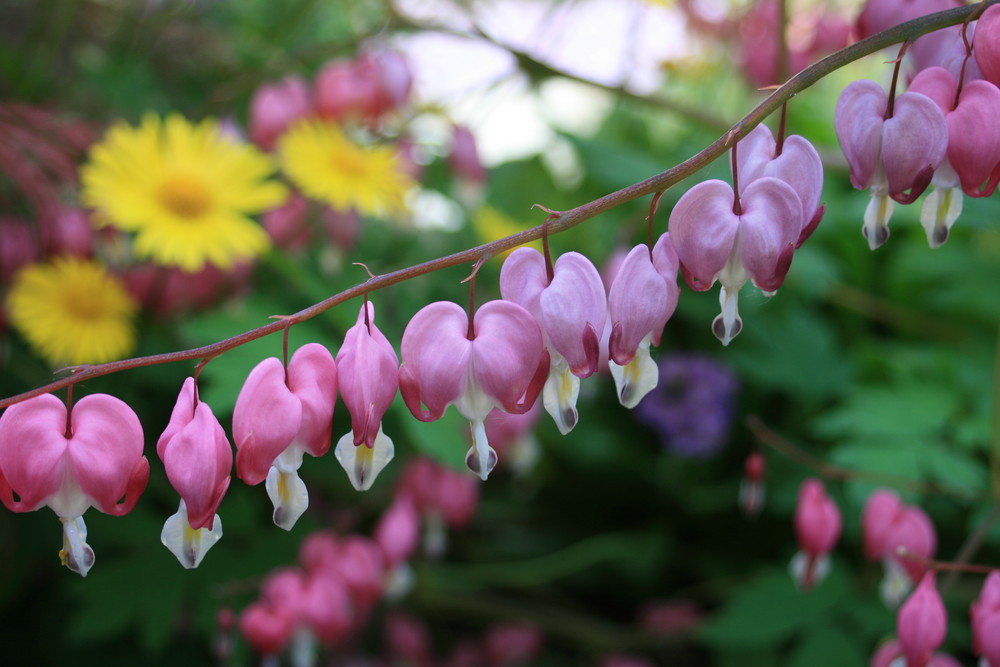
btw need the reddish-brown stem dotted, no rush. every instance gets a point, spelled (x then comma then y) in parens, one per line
(550, 272)
(649, 221)
(968, 52)
(779, 143)
(891, 106)
(284, 349)
(944, 566)
(566, 219)
(69, 411)
(737, 206)
(768, 437)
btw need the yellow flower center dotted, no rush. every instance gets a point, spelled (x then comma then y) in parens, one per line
(349, 163)
(185, 196)
(84, 305)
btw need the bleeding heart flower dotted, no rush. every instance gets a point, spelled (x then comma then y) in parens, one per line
(987, 44)
(893, 153)
(570, 308)
(89, 458)
(642, 298)
(497, 360)
(714, 242)
(889, 525)
(280, 414)
(367, 370)
(985, 614)
(198, 459)
(922, 623)
(817, 527)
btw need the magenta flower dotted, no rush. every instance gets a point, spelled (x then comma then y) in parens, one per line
(280, 414)
(985, 614)
(198, 459)
(642, 298)
(922, 623)
(497, 361)
(398, 531)
(89, 458)
(798, 165)
(570, 308)
(817, 528)
(368, 377)
(894, 153)
(274, 107)
(889, 525)
(715, 242)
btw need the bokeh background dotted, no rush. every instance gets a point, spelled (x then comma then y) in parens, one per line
(622, 541)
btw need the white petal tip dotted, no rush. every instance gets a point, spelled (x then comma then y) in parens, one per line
(187, 544)
(289, 496)
(76, 554)
(362, 463)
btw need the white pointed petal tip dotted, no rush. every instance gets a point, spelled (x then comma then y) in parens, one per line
(636, 378)
(362, 463)
(877, 214)
(728, 324)
(940, 210)
(188, 545)
(289, 496)
(559, 397)
(481, 458)
(76, 554)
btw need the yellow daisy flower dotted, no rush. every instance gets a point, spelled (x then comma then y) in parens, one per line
(329, 167)
(185, 189)
(72, 311)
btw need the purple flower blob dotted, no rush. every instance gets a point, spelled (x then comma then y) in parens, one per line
(692, 405)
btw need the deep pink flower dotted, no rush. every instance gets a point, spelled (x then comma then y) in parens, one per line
(896, 156)
(817, 528)
(92, 458)
(499, 361)
(198, 459)
(280, 414)
(267, 628)
(890, 654)
(985, 613)
(398, 531)
(315, 601)
(714, 242)
(642, 298)
(571, 310)
(274, 107)
(288, 225)
(922, 623)
(342, 90)
(367, 371)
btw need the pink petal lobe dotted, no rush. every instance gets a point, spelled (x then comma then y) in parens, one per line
(32, 451)
(858, 121)
(914, 140)
(974, 137)
(637, 304)
(106, 450)
(703, 229)
(506, 351)
(265, 420)
(368, 372)
(312, 379)
(573, 302)
(435, 354)
(522, 278)
(769, 226)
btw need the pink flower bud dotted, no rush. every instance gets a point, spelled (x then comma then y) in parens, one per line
(498, 361)
(817, 528)
(288, 224)
(752, 484)
(368, 376)
(346, 89)
(464, 158)
(441, 491)
(266, 628)
(888, 526)
(274, 107)
(90, 458)
(198, 459)
(922, 623)
(71, 233)
(398, 531)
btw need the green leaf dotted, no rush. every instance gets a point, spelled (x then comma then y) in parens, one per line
(953, 467)
(445, 440)
(826, 646)
(886, 456)
(897, 412)
(770, 609)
